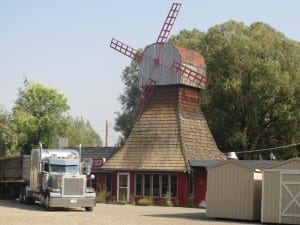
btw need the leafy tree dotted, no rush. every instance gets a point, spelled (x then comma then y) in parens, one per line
(8, 134)
(81, 132)
(39, 115)
(124, 121)
(253, 98)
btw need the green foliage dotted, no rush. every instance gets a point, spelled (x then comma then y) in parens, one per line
(145, 201)
(168, 199)
(124, 121)
(39, 115)
(102, 195)
(81, 132)
(253, 98)
(8, 134)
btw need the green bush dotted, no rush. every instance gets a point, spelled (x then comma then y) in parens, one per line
(168, 199)
(145, 201)
(101, 195)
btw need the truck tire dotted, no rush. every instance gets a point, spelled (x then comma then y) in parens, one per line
(46, 202)
(21, 195)
(89, 209)
(23, 198)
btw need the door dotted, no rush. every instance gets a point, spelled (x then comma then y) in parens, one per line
(123, 187)
(289, 195)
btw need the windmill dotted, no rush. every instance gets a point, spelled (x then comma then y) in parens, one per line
(161, 63)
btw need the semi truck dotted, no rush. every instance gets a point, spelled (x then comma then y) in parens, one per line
(52, 177)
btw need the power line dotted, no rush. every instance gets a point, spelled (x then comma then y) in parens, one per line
(269, 149)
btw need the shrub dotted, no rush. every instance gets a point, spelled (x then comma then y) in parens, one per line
(168, 199)
(145, 201)
(101, 195)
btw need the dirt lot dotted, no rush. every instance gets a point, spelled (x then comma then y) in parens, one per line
(12, 212)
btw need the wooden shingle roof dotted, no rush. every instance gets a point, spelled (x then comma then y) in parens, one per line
(171, 131)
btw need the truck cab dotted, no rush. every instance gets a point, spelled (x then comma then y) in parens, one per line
(56, 180)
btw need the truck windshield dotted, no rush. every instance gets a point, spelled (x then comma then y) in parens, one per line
(64, 168)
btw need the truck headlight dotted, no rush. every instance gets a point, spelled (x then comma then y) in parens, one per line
(55, 190)
(89, 190)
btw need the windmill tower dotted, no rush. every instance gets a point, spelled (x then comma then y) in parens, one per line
(170, 126)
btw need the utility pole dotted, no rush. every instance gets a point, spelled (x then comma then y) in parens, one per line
(106, 134)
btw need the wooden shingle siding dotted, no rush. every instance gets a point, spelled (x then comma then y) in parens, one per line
(170, 131)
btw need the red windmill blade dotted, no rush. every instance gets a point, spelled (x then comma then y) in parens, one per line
(195, 77)
(168, 24)
(144, 96)
(123, 48)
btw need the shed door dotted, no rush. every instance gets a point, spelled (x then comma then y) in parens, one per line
(289, 194)
(123, 187)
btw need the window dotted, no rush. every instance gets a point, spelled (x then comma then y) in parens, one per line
(147, 185)
(138, 184)
(46, 167)
(156, 185)
(164, 184)
(64, 168)
(173, 185)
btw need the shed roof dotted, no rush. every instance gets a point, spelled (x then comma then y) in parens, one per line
(281, 164)
(250, 164)
(204, 163)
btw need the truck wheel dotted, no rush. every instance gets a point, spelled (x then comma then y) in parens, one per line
(89, 209)
(47, 202)
(21, 196)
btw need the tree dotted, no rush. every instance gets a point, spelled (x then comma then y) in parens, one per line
(124, 121)
(80, 132)
(8, 134)
(39, 115)
(253, 98)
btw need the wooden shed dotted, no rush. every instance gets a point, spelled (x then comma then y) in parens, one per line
(281, 193)
(234, 189)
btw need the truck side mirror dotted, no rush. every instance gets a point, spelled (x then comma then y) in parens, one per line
(85, 168)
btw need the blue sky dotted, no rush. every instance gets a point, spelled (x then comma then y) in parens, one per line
(65, 44)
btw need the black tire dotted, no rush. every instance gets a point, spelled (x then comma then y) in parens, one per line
(21, 195)
(89, 209)
(46, 202)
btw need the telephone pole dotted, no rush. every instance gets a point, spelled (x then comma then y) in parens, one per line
(106, 133)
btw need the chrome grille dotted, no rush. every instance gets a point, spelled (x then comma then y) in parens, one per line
(73, 186)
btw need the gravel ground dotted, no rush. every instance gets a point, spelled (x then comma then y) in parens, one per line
(12, 212)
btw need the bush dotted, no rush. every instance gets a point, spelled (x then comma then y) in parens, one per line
(145, 201)
(101, 195)
(168, 199)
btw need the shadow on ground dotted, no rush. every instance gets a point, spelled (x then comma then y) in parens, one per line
(34, 206)
(191, 216)
(200, 216)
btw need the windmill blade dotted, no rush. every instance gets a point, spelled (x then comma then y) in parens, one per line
(195, 77)
(124, 49)
(145, 95)
(168, 24)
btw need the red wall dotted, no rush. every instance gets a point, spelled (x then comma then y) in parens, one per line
(183, 198)
(200, 189)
